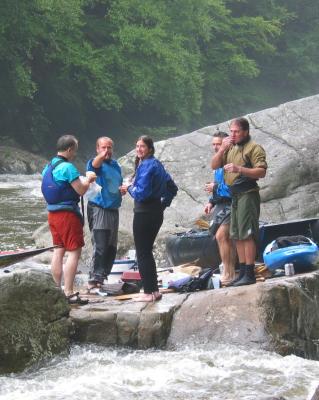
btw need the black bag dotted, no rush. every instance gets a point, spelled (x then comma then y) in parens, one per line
(115, 289)
(194, 284)
(287, 241)
(170, 192)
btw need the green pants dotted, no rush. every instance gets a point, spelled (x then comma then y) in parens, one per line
(245, 213)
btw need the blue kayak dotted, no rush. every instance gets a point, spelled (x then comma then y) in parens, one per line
(304, 256)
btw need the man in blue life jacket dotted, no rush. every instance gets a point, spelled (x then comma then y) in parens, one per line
(103, 211)
(62, 188)
(220, 202)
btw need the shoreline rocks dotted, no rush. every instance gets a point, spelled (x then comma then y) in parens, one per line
(34, 319)
(280, 315)
(17, 161)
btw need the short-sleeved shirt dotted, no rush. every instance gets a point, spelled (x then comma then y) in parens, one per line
(249, 155)
(64, 172)
(109, 177)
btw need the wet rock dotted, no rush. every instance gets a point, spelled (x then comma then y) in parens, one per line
(17, 161)
(315, 396)
(280, 315)
(125, 323)
(34, 319)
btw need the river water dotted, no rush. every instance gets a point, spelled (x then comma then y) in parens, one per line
(195, 372)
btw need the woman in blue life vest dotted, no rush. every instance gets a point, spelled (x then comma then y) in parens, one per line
(152, 190)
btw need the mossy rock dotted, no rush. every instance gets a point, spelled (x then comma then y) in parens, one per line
(34, 319)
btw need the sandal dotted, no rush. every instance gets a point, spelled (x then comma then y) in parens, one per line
(93, 287)
(76, 299)
(93, 290)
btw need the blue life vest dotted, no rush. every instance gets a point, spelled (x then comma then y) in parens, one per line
(55, 193)
(222, 189)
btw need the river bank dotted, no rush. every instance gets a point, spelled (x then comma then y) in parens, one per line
(210, 344)
(278, 315)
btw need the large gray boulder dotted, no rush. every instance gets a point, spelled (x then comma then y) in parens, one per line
(34, 319)
(281, 314)
(17, 161)
(278, 315)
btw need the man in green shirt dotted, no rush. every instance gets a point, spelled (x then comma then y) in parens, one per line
(244, 162)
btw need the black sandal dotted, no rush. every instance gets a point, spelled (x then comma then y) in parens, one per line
(76, 299)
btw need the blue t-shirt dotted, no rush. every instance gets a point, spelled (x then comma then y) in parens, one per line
(109, 177)
(64, 172)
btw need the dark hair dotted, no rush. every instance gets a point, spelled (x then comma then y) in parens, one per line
(220, 134)
(242, 122)
(65, 142)
(150, 145)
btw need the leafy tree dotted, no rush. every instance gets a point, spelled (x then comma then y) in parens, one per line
(95, 65)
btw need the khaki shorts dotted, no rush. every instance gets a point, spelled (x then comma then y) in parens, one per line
(245, 213)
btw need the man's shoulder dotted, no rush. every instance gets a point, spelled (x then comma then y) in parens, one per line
(65, 171)
(251, 145)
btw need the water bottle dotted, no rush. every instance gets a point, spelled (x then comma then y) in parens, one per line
(289, 269)
(216, 281)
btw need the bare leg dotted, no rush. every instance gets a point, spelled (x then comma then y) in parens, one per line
(70, 270)
(240, 246)
(227, 253)
(250, 251)
(57, 265)
(246, 250)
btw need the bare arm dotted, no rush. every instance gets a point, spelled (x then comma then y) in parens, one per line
(217, 160)
(82, 185)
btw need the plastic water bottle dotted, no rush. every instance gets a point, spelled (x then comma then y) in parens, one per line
(216, 281)
(289, 269)
(221, 268)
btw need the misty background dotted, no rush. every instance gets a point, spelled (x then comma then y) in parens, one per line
(123, 68)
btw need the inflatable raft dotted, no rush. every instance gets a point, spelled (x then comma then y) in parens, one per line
(199, 245)
(303, 256)
(192, 246)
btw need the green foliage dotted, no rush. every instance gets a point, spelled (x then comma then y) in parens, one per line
(90, 65)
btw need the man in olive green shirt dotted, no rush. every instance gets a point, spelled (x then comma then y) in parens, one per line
(244, 162)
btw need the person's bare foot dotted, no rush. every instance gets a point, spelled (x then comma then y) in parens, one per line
(157, 295)
(93, 287)
(145, 297)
